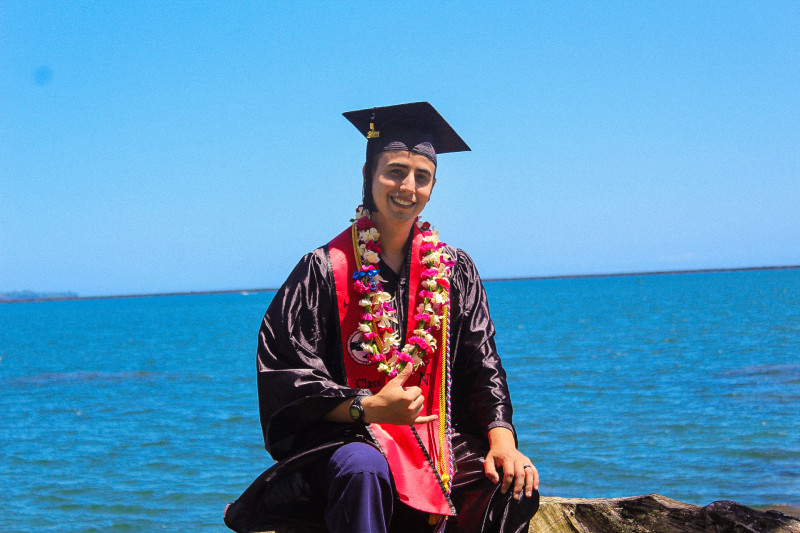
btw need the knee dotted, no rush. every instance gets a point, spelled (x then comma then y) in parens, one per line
(359, 458)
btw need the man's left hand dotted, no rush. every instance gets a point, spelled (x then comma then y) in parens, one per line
(516, 467)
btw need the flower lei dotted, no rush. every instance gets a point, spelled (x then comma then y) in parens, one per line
(381, 341)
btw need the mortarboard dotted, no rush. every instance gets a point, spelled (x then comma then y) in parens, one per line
(416, 127)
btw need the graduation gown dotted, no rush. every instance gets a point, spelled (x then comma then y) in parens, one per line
(301, 378)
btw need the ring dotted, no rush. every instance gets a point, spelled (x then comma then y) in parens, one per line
(527, 466)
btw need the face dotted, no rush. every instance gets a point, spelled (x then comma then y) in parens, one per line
(401, 186)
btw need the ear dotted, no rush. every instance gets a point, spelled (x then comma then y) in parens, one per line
(364, 171)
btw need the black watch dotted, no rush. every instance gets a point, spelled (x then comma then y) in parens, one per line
(357, 410)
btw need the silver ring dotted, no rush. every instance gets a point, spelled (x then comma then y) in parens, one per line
(527, 466)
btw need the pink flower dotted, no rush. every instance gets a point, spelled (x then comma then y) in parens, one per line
(370, 335)
(360, 287)
(393, 373)
(443, 282)
(367, 317)
(405, 358)
(430, 272)
(364, 223)
(425, 317)
(421, 344)
(425, 294)
(426, 247)
(419, 341)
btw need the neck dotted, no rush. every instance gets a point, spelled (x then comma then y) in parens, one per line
(394, 238)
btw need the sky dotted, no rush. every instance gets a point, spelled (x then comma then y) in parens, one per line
(151, 147)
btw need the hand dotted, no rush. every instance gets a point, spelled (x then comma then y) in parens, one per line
(396, 404)
(503, 454)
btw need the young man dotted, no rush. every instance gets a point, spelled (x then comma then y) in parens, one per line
(381, 393)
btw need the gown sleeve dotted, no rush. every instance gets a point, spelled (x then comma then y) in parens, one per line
(481, 399)
(300, 369)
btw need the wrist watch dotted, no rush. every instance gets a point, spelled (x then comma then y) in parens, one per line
(357, 410)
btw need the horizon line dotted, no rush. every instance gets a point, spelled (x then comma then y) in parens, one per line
(487, 280)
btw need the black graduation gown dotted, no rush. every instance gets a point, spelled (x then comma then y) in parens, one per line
(301, 378)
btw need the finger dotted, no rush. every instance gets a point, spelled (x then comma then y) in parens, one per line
(403, 375)
(508, 476)
(416, 405)
(426, 419)
(491, 470)
(413, 391)
(519, 481)
(531, 480)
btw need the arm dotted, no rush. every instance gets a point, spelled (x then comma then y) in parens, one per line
(393, 404)
(300, 374)
(483, 385)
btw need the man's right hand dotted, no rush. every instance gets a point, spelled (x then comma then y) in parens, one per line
(396, 404)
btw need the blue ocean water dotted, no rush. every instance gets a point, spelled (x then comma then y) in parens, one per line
(140, 414)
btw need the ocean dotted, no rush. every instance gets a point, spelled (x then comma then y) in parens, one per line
(140, 414)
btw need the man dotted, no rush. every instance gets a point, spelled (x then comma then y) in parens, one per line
(381, 394)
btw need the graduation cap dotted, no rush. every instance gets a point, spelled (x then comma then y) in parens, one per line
(416, 127)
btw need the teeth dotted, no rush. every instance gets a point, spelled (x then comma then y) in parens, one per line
(403, 202)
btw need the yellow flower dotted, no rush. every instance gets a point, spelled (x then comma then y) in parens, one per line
(439, 297)
(380, 297)
(370, 234)
(371, 257)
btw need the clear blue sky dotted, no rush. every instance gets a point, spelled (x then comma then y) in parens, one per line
(178, 146)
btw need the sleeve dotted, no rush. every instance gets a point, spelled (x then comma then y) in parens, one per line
(481, 399)
(300, 368)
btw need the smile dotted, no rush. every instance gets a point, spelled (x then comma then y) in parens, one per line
(401, 202)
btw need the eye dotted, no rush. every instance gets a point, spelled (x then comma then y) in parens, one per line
(422, 178)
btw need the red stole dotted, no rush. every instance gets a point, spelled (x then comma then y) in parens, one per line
(413, 452)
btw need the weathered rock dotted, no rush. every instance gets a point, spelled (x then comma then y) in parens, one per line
(642, 514)
(655, 514)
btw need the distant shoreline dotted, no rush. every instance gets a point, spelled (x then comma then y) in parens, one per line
(70, 297)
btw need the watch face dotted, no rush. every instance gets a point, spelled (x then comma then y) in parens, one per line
(356, 411)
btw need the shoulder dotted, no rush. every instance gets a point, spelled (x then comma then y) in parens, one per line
(464, 269)
(308, 286)
(313, 265)
(316, 259)
(314, 268)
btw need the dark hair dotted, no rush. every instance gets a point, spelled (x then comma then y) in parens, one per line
(366, 194)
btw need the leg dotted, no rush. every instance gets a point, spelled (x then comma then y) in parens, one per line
(359, 490)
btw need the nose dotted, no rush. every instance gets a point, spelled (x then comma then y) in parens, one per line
(408, 184)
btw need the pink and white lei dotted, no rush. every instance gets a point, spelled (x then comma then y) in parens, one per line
(378, 318)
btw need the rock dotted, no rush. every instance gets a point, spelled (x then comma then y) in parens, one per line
(642, 514)
(655, 514)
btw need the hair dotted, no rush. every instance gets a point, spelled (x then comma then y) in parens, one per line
(366, 194)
